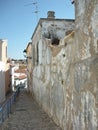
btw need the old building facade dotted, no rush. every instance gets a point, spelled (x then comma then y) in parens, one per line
(28, 55)
(65, 67)
(5, 79)
(50, 63)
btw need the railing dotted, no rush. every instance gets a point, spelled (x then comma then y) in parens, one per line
(5, 109)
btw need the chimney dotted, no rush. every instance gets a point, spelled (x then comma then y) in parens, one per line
(50, 14)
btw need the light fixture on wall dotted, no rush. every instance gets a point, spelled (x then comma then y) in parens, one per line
(27, 57)
(72, 1)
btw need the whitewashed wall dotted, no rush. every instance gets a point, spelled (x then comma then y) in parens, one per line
(2, 82)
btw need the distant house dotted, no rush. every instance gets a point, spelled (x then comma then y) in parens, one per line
(13, 68)
(28, 52)
(20, 77)
(5, 79)
(18, 74)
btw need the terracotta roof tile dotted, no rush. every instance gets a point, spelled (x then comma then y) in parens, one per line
(21, 77)
(20, 71)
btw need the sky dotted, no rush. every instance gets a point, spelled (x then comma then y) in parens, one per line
(18, 20)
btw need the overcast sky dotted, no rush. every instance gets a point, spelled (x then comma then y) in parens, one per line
(18, 20)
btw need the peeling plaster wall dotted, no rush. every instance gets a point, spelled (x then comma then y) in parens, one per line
(56, 28)
(29, 68)
(86, 29)
(65, 82)
(86, 66)
(51, 85)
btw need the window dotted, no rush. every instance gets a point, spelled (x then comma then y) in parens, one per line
(37, 57)
(6, 51)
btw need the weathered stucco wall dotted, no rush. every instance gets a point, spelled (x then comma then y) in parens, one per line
(65, 80)
(56, 28)
(29, 67)
(86, 29)
(51, 86)
(86, 65)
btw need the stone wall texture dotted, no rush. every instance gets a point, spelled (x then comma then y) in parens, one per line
(65, 80)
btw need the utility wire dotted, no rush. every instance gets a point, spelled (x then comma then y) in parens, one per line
(36, 8)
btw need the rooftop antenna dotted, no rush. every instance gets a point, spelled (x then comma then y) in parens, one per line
(36, 8)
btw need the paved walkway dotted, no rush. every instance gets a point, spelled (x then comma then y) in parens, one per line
(27, 115)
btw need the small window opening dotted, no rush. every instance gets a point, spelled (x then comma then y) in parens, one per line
(55, 41)
(63, 55)
(62, 82)
(65, 44)
(37, 60)
(6, 51)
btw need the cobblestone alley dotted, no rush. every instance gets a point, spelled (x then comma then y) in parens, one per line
(27, 115)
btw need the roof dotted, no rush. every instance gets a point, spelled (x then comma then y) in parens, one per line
(49, 19)
(20, 71)
(21, 77)
(25, 50)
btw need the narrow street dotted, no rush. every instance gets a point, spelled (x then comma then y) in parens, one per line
(27, 115)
